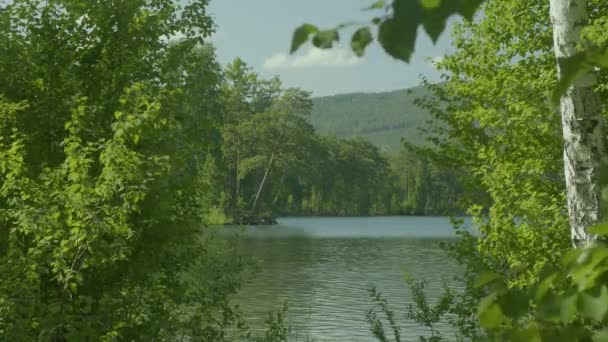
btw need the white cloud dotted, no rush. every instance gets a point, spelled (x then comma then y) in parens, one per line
(313, 57)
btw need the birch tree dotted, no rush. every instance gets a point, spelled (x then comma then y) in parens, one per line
(582, 122)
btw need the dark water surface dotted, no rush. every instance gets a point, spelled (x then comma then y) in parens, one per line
(324, 268)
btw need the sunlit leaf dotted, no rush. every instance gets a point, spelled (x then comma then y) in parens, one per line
(430, 4)
(600, 229)
(598, 58)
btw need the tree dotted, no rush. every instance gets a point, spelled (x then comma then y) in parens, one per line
(583, 123)
(238, 90)
(102, 119)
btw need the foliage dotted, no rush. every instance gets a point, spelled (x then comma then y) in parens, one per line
(490, 133)
(421, 312)
(277, 330)
(425, 314)
(567, 304)
(105, 127)
(375, 322)
(397, 25)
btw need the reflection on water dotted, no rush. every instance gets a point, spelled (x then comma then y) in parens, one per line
(324, 268)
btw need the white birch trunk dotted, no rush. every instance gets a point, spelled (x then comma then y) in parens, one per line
(257, 195)
(584, 141)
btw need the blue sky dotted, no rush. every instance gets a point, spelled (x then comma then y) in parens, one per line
(259, 32)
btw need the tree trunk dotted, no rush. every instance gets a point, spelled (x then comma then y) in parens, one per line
(237, 191)
(268, 167)
(257, 195)
(584, 141)
(278, 192)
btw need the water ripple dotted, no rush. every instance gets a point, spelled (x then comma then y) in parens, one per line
(326, 275)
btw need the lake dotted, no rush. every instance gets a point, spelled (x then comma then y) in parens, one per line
(325, 267)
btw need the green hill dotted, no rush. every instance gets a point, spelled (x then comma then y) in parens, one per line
(383, 118)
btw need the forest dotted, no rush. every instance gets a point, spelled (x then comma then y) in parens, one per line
(385, 118)
(122, 137)
(270, 161)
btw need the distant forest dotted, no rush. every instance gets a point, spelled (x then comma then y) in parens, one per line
(383, 118)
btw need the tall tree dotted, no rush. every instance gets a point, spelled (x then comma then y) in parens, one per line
(582, 123)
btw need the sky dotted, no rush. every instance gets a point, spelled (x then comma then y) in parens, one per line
(259, 32)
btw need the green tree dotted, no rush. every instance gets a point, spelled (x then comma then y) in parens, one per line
(101, 121)
(238, 91)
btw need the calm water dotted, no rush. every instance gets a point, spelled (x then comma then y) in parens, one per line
(324, 268)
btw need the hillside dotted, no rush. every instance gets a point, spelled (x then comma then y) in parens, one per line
(383, 118)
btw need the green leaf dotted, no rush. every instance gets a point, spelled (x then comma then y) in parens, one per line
(325, 39)
(571, 257)
(434, 19)
(377, 5)
(564, 334)
(601, 336)
(490, 314)
(430, 4)
(514, 303)
(594, 307)
(528, 334)
(604, 176)
(545, 286)
(598, 57)
(568, 308)
(572, 69)
(486, 278)
(600, 229)
(361, 39)
(301, 35)
(468, 8)
(575, 67)
(397, 39)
